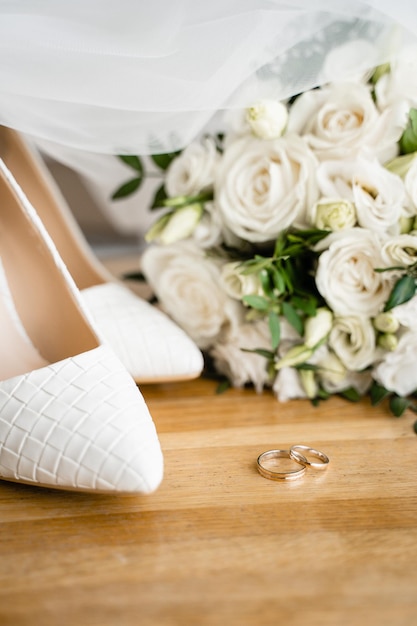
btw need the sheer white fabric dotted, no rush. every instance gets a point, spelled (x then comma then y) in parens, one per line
(131, 76)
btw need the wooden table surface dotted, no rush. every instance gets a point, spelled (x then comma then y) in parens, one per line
(218, 543)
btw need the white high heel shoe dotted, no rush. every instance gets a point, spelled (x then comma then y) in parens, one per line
(148, 343)
(71, 416)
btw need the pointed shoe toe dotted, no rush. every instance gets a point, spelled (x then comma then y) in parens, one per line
(71, 416)
(149, 344)
(80, 424)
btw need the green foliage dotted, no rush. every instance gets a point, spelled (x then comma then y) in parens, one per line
(163, 161)
(408, 140)
(404, 289)
(132, 185)
(127, 189)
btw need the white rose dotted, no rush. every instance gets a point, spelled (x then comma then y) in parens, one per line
(244, 367)
(397, 371)
(288, 386)
(187, 286)
(399, 85)
(263, 187)
(400, 250)
(267, 118)
(339, 120)
(193, 170)
(334, 377)
(236, 284)
(346, 276)
(333, 214)
(378, 195)
(353, 340)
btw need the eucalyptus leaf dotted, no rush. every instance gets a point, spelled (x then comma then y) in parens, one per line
(292, 317)
(127, 189)
(403, 290)
(132, 161)
(275, 329)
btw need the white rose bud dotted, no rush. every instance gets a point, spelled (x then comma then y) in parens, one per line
(333, 214)
(388, 341)
(236, 284)
(331, 371)
(267, 119)
(318, 327)
(308, 381)
(386, 323)
(295, 356)
(176, 226)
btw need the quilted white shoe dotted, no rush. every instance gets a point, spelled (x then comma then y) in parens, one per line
(71, 416)
(149, 344)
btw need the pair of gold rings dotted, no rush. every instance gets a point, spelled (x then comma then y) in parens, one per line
(268, 463)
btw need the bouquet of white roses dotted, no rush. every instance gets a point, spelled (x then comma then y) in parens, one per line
(288, 247)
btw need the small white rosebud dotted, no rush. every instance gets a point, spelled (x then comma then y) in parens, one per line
(386, 323)
(331, 369)
(267, 119)
(309, 383)
(318, 327)
(334, 214)
(295, 356)
(181, 224)
(388, 341)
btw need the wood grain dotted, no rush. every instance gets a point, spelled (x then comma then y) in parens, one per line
(218, 543)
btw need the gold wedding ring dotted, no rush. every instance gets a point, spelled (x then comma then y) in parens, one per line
(271, 455)
(296, 453)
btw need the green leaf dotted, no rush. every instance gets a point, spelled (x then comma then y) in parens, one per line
(266, 283)
(163, 161)
(378, 393)
(267, 354)
(292, 317)
(159, 197)
(278, 279)
(223, 386)
(256, 302)
(408, 140)
(274, 328)
(398, 405)
(127, 188)
(350, 394)
(134, 276)
(404, 289)
(132, 161)
(306, 305)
